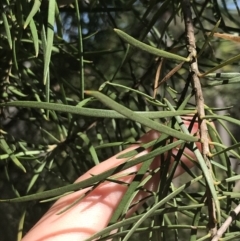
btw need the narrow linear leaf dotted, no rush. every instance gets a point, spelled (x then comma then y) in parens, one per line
(7, 29)
(20, 226)
(92, 150)
(21, 154)
(159, 204)
(35, 8)
(44, 41)
(47, 91)
(227, 62)
(140, 119)
(131, 191)
(59, 25)
(14, 51)
(122, 62)
(158, 52)
(14, 90)
(226, 149)
(93, 180)
(36, 176)
(34, 37)
(210, 34)
(222, 82)
(100, 113)
(233, 179)
(134, 219)
(5, 147)
(145, 146)
(133, 90)
(226, 118)
(203, 165)
(80, 51)
(223, 75)
(222, 79)
(50, 35)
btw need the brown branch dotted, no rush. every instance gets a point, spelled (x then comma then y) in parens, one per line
(157, 77)
(171, 73)
(191, 46)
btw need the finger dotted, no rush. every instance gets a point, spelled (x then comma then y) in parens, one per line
(94, 211)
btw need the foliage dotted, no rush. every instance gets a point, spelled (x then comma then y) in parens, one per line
(81, 82)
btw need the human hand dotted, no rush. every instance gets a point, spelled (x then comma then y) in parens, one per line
(95, 210)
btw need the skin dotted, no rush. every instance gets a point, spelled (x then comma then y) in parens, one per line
(94, 211)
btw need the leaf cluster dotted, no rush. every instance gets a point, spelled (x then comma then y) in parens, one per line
(82, 81)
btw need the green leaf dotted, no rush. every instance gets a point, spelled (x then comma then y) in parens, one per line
(205, 169)
(223, 75)
(91, 112)
(132, 190)
(35, 37)
(149, 98)
(135, 218)
(227, 62)
(35, 8)
(210, 35)
(93, 180)
(222, 79)
(80, 51)
(140, 119)
(50, 35)
(159, 204)
(5, 147)
(233, 179)
(226, 118)
(7, 29)
(149, 48)
(14, 90)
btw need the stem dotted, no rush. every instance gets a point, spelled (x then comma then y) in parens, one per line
(194, 72)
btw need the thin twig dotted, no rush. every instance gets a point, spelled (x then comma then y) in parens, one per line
(226, 224)
(191, 46)
(157, 77)
(171, 73)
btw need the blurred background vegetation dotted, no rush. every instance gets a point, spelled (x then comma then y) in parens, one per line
(53, 52)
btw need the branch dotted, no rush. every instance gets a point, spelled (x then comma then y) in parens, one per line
(226, 224)
(191, 46)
